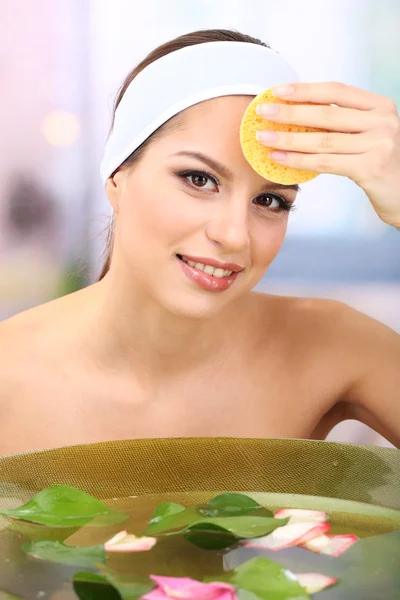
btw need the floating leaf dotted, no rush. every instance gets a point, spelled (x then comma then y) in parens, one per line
(62, 505)
(214, 532)
(110, 586)
(242, 527)
(36, 531)
(210, 536)
(90, 586)
(57, 552)
(164, 510)
(235, 501)
(233, 505)
(172, 522)
(263, 579)
(238, 527)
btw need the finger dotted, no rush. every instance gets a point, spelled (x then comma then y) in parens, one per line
(346, 120)
(335, 143)
(334, 92)
(335, 164)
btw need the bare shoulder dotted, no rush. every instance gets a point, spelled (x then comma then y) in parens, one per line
(30, 340)
(311, 318)
(361, 353)
(371, 351)
(352, 339)
(319, 317)
(20, 336)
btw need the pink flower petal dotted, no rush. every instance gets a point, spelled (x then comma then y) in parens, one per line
(315, 582)
(127, 542)
(332, 545)
(185, 588)
(292, 534)
(300, 515)
(317, 544)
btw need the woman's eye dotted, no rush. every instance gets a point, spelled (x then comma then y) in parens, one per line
(204, 181)
(200, 180)
(273, 202)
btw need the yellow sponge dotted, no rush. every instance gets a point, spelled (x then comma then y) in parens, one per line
(257, 153)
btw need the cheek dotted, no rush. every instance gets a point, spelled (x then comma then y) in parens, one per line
(267, 242)
(146, 232)
(155, 215)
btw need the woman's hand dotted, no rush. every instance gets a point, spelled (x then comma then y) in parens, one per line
(362, 141)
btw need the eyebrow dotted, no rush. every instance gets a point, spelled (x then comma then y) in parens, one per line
(225, 172)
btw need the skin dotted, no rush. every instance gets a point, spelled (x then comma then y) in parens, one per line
(147, 353)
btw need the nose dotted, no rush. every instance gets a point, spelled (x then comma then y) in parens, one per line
(229, 227)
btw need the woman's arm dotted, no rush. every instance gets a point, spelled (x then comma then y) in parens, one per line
(362, 142)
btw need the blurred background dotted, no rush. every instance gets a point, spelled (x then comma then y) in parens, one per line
(61, 64)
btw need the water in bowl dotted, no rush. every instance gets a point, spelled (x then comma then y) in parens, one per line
(31, 578)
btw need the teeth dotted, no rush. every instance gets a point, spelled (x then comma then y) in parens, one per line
(218, 273)
(208, 268)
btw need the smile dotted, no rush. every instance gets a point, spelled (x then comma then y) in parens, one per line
(210, 270)
(210, 277)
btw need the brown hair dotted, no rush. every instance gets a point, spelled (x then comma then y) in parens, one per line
(188, 39)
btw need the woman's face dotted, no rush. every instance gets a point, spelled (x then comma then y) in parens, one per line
(192, 196)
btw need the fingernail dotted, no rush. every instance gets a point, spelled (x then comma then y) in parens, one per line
(283, 90)
(267, 110)
(266, 136)
(278, 156)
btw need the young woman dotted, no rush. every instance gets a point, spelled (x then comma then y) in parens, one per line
(171, 341)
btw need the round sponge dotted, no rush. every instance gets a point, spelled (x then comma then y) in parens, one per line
(257, 154)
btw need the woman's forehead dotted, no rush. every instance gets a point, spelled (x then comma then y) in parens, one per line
(216, 110)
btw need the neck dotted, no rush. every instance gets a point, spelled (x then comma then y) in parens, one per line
(131, 330)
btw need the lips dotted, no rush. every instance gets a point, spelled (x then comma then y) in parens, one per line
(220, 277)
(226, 266)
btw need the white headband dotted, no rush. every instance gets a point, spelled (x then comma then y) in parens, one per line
(183, 78)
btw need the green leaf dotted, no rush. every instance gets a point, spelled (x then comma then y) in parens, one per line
(130, 587)
(173, 522)
(236, 505)
(164, 510)
(90, 586)
(246, 595)
(242, 527)
(220, 538)
(36, 531)
(223, 505)
(233, 505)
(200, 531)
(233, 521)
(264, 579)
(8, 596)
(62, 505)
(57, 552)
(110, 586)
